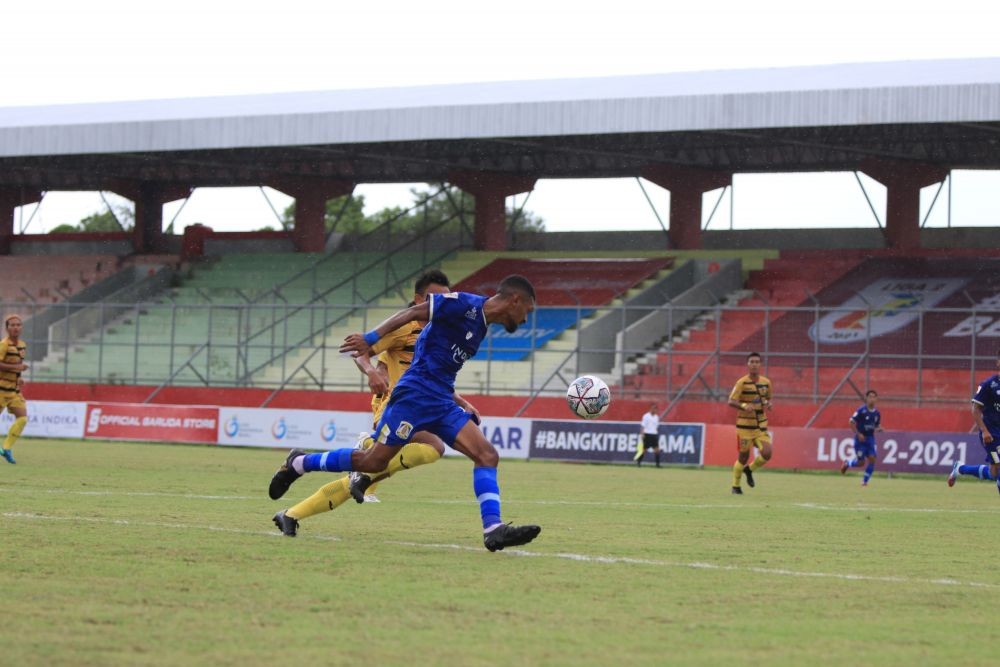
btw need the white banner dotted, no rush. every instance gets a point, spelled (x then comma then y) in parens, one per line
(306, 429)
(50, 419)
(511, 436)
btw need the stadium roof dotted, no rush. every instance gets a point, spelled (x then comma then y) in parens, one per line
(832, 117)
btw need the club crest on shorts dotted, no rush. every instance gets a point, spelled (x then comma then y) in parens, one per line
(404, 429)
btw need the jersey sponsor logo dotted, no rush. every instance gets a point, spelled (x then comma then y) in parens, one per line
(451, 295)
(882, 307)
(404, 429)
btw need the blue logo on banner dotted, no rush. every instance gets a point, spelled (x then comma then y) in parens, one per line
(232, 427)
(329, 431)
(279, 430)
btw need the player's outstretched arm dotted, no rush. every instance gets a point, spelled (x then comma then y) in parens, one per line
(358, 344)
(378, 378)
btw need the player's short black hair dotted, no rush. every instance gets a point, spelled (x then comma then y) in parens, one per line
(516, 283)
(430, 277)
(870, 391)
(754, 354)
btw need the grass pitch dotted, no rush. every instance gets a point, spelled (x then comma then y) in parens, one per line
(138, 554)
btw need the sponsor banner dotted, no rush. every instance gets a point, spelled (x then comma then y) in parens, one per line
(306, 429)
(50, 419)
(897, 451)
(613, 442)
(509, 435)
(882, 307)
(157, 423)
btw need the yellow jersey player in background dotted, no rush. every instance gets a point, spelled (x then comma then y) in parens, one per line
(12, 350)
(395, 352)
(752, 398)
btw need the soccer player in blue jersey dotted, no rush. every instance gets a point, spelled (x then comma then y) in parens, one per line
(865, 421)
(424, 398)
(986, 411)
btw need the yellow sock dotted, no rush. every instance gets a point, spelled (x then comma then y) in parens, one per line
(410, 456)
(15, 432)
(329, 497)
(737, 473)
(757, 463)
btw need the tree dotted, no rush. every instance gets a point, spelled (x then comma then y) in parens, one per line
(105, 221)
(343, 214)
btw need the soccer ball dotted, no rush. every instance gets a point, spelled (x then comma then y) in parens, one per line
(588, 396)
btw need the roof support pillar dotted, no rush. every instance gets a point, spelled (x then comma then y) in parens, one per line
(491, 190)
(686, 185)
(311, 195)
(10, 199)
(149, 198)
(903, 181)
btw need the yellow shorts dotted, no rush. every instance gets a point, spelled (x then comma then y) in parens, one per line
(745, 440)
(11, 399)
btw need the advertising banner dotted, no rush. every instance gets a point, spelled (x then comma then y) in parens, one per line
(157, 423)
(306, 429)
(509, 435)
(897, 451)
(50, 419)
(613, 442)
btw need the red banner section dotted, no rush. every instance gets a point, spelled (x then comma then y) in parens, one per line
(825, 449)
(156, 423)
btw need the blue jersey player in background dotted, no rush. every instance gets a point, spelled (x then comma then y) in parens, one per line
(866, 420)
(986, 411)
(424, 398)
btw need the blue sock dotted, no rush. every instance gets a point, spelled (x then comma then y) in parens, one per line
(982, 472)
(484, 483)
(338, 460)
(869, 469)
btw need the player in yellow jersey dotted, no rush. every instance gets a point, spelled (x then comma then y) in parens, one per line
(395, 352)
(12, 350)
(752, 399)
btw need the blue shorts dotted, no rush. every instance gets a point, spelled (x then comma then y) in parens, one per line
(410, 410)
(992, 449)
(865, 448)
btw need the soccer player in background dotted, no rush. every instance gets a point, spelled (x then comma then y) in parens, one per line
(986, 412)
(650, 430)
(752, 398)
(424, 398)
(395, 353)
(865, 421)
(12, 350)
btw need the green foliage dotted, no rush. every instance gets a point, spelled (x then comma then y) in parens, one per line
(125, 554)
(443, 212)
(104, 221)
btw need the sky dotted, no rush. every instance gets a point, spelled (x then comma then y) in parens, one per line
(63, 52)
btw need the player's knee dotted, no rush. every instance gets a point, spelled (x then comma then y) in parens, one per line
(487, 458)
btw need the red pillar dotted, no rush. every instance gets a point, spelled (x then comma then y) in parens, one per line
(491, 190)
(10, 199)
(903, 182)
(686, 185)
(149, 198)
(311, 195)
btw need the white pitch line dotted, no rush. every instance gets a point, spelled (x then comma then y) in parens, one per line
(580, 558)
(14, 490)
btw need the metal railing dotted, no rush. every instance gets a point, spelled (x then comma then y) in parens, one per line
(937, 357)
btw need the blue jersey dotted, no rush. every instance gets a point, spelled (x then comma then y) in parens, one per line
(988, 397)
(456, 328)
(865, 422)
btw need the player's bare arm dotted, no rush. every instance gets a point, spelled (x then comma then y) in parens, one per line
(378, 380)
(356, 344)
(468, 407)
(977, 412)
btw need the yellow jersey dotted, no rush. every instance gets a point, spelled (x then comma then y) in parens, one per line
(755, 394)
(11, 353)
(395, 350)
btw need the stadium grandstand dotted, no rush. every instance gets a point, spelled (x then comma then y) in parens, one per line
(255, 318)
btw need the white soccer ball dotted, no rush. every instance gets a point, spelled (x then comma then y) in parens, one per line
(588, 396)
